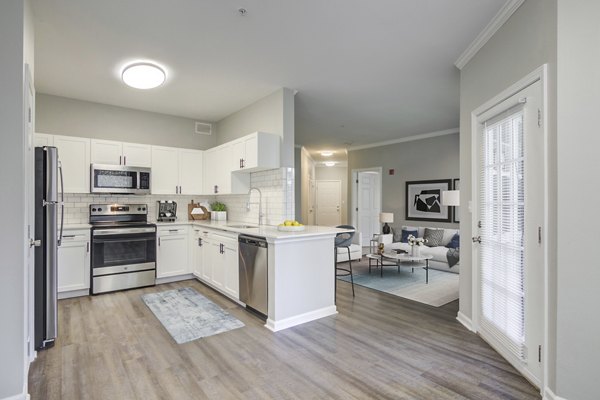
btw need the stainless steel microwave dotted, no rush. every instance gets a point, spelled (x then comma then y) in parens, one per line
(105, 178)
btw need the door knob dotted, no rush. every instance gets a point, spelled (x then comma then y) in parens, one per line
(476, 239)
(35, 243)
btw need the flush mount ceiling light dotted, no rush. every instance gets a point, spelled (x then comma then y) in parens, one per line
(330, 163)
(327, 153)
(143, 75)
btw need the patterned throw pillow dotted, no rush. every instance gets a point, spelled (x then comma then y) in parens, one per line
(433, 237)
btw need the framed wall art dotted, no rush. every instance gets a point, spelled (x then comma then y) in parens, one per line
(424, 201)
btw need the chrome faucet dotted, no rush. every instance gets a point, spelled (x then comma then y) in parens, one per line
(260, 213)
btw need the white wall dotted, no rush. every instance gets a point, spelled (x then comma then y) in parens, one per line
(525, 42)
(272, 114)
(323, 173)
(578, 327)
(63, 116)
(15, 47)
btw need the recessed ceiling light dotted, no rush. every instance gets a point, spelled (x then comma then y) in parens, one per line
(143, 75)
(330, 163)
(327, 153)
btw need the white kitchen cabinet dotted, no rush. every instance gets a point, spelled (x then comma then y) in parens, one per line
(74, 155)
(218, 177)
(230, 262)
(255, 152)
(176, 171)
(119, 153)
(190, 171)
(43, 139)
(197, 244)
(74, 263)
(172, 251)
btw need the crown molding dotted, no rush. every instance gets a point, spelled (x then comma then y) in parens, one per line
(486, 34)
(405, 139)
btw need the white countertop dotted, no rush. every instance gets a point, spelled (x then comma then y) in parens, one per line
(267, 231)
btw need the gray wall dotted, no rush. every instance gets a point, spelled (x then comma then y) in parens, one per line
(323, 173)
(525, 42)
(63, 116)
(272, 114)
(578, 334)
(433, 158)
(15, 48)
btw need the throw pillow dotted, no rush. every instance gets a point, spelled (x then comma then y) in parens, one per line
(433, 236)
(454, 242)
(396, 235)
(406, 233)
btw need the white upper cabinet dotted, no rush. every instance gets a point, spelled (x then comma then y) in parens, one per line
(137, 155)
(176, 171)
(218, 168)
(118, 153)
(190, 171)
(107, 152)
(255, 152)
(165, 170)
(42, 139)
(74, 155)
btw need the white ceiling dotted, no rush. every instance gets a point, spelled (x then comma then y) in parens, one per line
(365, 71)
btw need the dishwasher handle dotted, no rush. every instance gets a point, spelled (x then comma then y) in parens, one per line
(253, 241)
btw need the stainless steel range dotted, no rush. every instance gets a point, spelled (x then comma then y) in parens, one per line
(123, 247)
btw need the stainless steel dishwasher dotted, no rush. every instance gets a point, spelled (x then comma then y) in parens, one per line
(253, 255)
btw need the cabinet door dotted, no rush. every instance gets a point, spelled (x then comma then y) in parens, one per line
(165, 170)
(197, 254)
(74, 155)
(223, 172)
(190, 171)
(209, 254)
(251, 152)
(106, 152)
(73, 265)
(43, 139)
(232, 273)
(172, 256)
(137, 155)
(218, 266)
(238, 153)
(210, 171)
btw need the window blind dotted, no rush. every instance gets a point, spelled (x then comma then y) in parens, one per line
(502, 221)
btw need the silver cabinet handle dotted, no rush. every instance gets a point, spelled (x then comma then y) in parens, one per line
(120, 160)
(87, 247)
(159, 241)
(124, 160)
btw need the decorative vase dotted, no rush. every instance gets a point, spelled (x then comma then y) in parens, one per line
(219, 215)
(415, 250)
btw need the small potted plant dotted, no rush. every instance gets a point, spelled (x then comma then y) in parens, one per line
(218, 211)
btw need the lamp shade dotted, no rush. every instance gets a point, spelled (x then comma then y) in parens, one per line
(386, 217)
(451, 197)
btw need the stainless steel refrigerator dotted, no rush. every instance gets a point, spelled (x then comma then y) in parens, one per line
(48, 234)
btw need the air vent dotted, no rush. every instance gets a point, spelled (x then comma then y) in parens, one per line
(203, 128)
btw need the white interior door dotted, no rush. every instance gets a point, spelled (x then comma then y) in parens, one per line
(510, 210)
(312, 200)
(368, 203)
(30, 210)
(328, 204)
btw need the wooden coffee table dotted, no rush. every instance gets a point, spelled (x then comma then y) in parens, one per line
(401, 260)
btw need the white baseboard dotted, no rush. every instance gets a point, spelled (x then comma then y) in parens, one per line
(466, 321)
(549, 395)
(300, 319)
(73, 293)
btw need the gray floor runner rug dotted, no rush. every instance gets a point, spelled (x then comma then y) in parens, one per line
(187, 315)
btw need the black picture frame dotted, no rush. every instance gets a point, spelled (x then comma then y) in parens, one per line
(455, 210)
(423, 200)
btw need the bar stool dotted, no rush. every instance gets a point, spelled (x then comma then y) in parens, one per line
(344, 240)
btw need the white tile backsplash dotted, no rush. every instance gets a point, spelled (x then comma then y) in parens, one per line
(276, 185)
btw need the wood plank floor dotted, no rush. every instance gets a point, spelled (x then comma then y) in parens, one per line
(378, 347)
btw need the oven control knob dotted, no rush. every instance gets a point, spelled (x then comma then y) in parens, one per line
(99, 209)
(143, 208)
(93, 209)
(139, 208)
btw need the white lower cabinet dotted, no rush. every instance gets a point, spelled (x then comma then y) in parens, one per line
(74, 263)
(172, 251)
(216, 261)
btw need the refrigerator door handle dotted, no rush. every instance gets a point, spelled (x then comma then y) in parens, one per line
(62, 203)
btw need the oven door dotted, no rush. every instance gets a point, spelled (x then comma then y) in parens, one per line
(119, 250)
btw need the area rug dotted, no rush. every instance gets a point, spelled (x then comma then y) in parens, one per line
(187, 315)
(441, 289)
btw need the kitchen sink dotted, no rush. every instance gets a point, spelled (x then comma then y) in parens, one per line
(243, 226)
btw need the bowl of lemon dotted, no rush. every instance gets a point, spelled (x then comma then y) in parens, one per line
(290, 226)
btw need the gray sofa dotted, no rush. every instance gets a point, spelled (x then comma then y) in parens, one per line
(439, 253)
